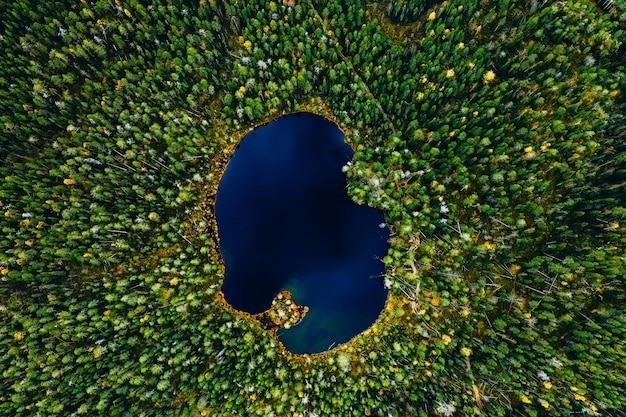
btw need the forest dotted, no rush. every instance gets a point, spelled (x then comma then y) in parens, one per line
(492, 134)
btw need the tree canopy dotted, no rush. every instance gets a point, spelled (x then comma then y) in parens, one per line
(491, 133)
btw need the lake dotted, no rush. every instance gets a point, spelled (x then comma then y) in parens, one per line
(286, 222)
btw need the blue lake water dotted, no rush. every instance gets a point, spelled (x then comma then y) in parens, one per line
(285, 222)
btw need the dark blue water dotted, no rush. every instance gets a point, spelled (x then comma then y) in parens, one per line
(285, 222)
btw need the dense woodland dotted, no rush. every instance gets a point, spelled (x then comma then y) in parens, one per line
(491, 133)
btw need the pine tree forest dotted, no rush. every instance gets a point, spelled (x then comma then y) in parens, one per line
(492, 134)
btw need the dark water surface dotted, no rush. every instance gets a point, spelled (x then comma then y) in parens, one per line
(286, 222)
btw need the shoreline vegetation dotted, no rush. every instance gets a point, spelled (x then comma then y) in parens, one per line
(491, 135)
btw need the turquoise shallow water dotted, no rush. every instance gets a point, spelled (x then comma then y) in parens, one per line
(286, 222)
